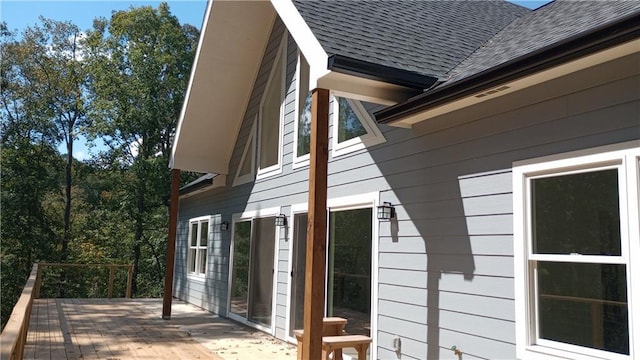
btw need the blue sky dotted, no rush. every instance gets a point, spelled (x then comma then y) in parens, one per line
(19, 14)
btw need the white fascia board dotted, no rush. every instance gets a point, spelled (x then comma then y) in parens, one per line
(308, 44)
(203, 31)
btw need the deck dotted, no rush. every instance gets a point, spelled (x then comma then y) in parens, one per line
(133, 329)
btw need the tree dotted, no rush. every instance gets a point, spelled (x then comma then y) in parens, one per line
(140, 64)
(30, 173)
(45, 87)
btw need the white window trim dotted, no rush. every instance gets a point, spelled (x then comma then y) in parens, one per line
(248, 151)
(625, 157)
(197, 275)
(304, 160)
(372, 137)
(277, 168)
(249, 216)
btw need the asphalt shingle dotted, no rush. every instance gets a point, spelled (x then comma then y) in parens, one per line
(425, 37)
(548, 25)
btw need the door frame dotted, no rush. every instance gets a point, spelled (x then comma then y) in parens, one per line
(351, 202)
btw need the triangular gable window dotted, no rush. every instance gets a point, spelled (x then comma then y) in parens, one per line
(353, 127)
(246, 170)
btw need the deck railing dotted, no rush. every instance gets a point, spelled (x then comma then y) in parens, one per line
(14, 334)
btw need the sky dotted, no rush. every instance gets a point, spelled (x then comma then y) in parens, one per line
(18, 14)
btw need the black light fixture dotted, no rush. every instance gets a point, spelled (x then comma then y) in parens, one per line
(281, 220)
(386, 211)
(224, 226)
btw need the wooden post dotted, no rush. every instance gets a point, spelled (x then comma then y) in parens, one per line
(317, 227)
(171, 244)
(129, 281)
(112, 273)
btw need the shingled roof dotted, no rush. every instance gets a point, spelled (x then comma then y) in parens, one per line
(547, 25)
(555, 34)
(425, 37)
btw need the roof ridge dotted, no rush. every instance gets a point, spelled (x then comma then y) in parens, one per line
(489, 40)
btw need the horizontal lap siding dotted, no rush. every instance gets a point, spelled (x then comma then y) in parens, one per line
(445, 266)
(445, 273)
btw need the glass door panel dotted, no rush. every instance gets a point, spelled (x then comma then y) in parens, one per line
(240, 268)
(297, 272)
(262, 270)
(349, 268)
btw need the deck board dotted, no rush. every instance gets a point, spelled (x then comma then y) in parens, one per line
(133, 329)
(114, 329)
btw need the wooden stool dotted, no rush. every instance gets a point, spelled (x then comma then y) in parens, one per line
(331, 326)
(334, 343)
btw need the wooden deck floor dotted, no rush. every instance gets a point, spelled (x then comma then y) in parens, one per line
(133, 329)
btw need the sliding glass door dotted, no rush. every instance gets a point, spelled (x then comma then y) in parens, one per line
(251, 294)
(349, 268)
(297, 272)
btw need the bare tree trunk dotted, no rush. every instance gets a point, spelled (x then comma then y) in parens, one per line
(66, 236)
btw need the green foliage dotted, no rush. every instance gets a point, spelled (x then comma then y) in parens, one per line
(123, 82)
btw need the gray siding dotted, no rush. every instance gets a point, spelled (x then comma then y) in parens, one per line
(445, 265)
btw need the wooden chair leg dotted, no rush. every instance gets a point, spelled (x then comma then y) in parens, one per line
(337, 354)
(325, 354)
(299, 350)
(362, 351)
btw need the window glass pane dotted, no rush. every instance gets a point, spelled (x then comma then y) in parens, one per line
(270, 121)
(204, 233)
(349, 284)
(202, 261)
(349, 126)
(245, 169)
(240, 270)
(304, 105)
(192, 260)
(194, 234)
(584, 304)
(576, 213)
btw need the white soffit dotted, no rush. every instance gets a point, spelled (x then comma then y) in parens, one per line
(233, 38)
(522, 83)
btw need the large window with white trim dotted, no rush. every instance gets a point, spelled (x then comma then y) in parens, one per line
(576, 233)
(198, 240)
(271, 114)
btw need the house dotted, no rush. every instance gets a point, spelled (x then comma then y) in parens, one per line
(505, 141)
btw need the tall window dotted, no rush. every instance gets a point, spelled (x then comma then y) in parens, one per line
(198, 240)
(303, 121)
(353, 127)
(576, 255)
(269, 147)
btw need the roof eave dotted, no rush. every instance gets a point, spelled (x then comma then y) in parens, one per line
(571, 49)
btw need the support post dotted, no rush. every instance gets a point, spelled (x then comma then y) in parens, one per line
(317, 227)
(112, 273)
(171, 244)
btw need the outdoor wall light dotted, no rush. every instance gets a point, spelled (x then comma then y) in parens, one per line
(281, 220)
(386, 211)
(224, 226)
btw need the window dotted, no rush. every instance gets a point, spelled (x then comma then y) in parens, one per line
(245, 172)
(353, 127)
(198, 240)
(576, 235)
(302, 140)
(271, 109)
